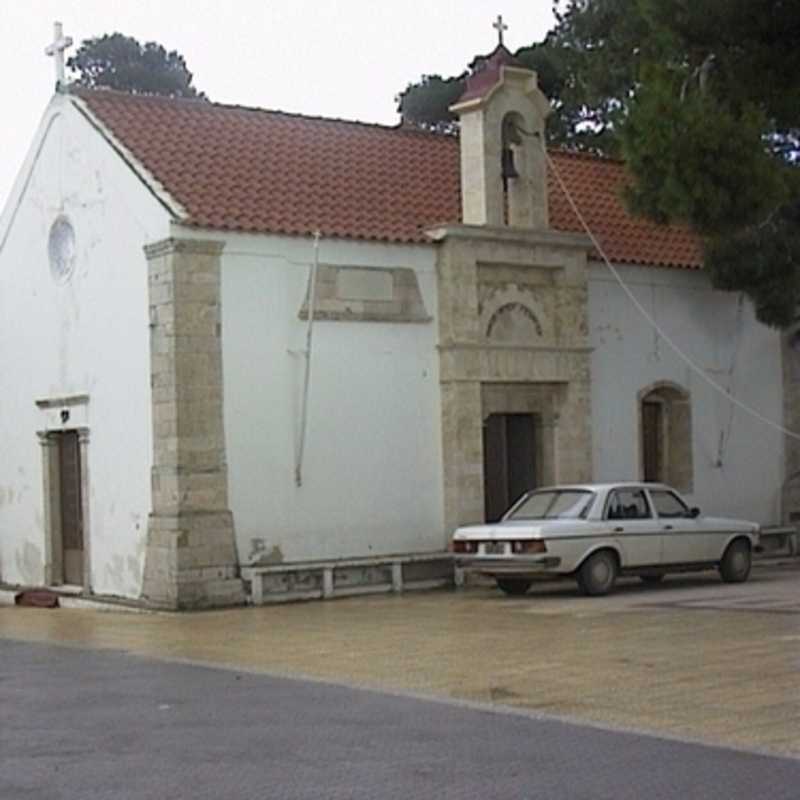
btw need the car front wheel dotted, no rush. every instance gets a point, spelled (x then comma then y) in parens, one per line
(736, 563)
(598, 573)
(513, 586)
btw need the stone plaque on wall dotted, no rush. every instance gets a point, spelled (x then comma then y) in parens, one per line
(367, 294)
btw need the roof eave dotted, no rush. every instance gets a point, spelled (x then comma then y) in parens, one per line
(177, 211)
(495, 233)
(8, 211)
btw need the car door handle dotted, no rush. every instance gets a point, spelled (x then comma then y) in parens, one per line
(668, 527)
(618, 530)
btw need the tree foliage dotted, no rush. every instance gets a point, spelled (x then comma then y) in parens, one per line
(710, 135)
(584, 71)
(696, 159)
(764, 261)
(702, 100)
(115, 61)
(427, 103)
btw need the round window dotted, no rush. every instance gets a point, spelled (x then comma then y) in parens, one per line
(61, 249)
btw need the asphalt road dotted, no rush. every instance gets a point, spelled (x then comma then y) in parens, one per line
(79, 723)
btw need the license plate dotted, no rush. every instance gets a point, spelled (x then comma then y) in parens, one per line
(494, 548)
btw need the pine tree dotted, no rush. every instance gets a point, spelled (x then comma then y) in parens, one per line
(115, 61)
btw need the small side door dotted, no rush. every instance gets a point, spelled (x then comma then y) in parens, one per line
(69, 478)
(630, 519)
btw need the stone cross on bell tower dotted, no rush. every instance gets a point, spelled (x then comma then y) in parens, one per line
(500, 27)
(57, 49)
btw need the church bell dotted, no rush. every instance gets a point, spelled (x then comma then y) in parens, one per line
(508, 168)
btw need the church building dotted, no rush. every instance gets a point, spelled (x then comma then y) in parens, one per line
(238, 344)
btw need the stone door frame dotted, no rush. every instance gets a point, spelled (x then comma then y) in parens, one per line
(543, 401)
(51, 478)
(676, 441)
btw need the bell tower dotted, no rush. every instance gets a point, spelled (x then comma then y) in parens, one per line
(512, 308)
(502, 117)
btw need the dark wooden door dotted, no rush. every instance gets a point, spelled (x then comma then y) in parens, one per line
(509, 465)
(69, 465)
(651, 440)
(495, 478)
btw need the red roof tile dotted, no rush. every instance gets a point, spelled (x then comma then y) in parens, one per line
(257, 171)
(595, 185)
(487, 73)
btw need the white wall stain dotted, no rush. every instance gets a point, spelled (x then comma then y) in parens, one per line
(29, 566)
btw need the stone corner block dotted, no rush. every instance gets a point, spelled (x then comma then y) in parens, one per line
(170, 245)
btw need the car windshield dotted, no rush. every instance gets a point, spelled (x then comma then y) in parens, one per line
(553, 504)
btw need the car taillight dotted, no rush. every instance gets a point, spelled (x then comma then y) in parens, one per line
(461, 546)
(528, 546)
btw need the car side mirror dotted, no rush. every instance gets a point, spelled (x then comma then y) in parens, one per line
(694, 512)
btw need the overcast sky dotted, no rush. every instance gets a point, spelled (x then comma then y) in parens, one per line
(343, 59)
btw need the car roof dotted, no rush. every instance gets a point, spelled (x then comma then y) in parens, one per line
(603, 487)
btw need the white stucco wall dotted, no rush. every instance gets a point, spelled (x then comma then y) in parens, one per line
(372, 470)
(87, 336)
(741, 479)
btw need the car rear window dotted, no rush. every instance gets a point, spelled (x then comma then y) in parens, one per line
(558, 504)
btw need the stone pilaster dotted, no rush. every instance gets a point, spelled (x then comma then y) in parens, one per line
(191, 560)
(51, 491)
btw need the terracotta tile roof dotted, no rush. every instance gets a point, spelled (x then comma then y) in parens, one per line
(595, 184)
(250, 170)
(486, 73)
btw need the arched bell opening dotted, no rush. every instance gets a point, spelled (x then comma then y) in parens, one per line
(512, 162)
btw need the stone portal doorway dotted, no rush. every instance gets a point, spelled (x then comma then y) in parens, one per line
(509, 461)
(513, 339)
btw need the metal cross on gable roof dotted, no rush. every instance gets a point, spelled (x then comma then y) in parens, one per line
(500, 27)
(56, 49)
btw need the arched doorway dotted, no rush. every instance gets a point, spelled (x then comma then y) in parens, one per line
(665, 416)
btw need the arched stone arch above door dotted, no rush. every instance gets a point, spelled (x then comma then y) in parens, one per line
(514, 316)
(665, 435)
(514, 323)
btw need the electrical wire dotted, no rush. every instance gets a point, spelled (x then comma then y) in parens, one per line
(648, 317)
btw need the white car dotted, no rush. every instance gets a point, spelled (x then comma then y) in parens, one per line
(596, 532)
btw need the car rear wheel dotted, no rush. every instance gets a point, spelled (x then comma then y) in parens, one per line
(736, 563)
(598, 573)
(513, 586)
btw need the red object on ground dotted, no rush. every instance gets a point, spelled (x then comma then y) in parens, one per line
(36, 598)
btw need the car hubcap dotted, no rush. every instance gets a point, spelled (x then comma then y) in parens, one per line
(601, 572)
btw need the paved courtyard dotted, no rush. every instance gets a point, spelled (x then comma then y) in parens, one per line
(693, 658)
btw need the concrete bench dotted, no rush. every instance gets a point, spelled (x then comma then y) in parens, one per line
(305, 580)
